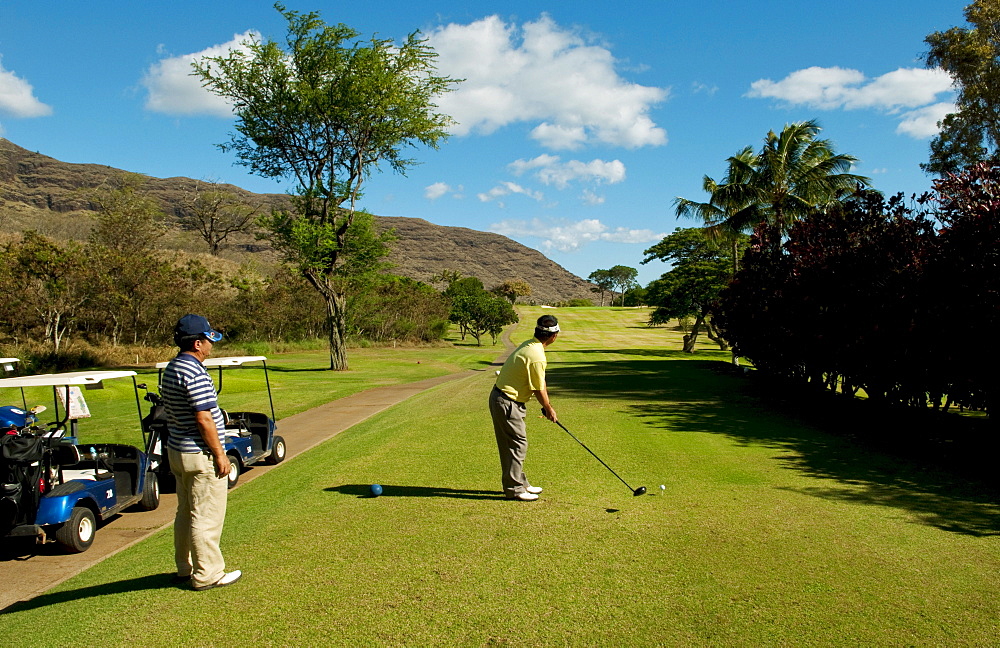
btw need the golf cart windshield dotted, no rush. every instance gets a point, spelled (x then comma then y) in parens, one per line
(61, 384)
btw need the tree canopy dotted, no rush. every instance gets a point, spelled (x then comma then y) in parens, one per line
(971, 55)
(690, 289)
(326, 109)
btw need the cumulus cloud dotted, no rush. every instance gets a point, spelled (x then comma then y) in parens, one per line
(436, 190)
(172, 89)
(545, 74)
(906, 91)
(550, 170)
(439, 189)
(504, 189)
(568, 236)
(17, 97)
(923, 122)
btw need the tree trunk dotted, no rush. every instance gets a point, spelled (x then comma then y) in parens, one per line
(335, 326)
(713, 335)
(691, 338)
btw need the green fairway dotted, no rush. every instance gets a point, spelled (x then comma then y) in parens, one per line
(768, 532)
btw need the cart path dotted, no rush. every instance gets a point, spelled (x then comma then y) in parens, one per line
(28, 570)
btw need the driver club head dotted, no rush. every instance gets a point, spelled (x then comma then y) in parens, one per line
(639, 491)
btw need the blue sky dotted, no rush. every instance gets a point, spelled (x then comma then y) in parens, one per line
(579, 122)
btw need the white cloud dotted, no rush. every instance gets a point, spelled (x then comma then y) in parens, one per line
(17, 97)
(172, 89)
(550, 170)
(568, 236)
(698, 87)
(923, 122)
(541, 72)
(439, 189)
(591, 198)
(907, 89)
(436, 190)
(506, 189)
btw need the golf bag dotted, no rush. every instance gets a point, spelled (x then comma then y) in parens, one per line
(21, 471)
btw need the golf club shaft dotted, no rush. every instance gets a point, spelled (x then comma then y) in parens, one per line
(595, 456)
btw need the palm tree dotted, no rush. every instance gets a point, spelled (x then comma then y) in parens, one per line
(794, 174)
(728, 213)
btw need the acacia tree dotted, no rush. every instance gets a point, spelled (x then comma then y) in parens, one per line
(603, 282)
(48, 279)
(215, 213)
(511, 289)
(971, 55)
(325, 109)
(623, 278)
(130, 285)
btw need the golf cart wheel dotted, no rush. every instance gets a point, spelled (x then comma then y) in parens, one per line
(77, 534)
(150, 492)
(234, 470)
(278, 450)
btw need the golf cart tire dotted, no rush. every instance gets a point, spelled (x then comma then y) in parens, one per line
(235, 468)
(77, 534)
(150, 492)
(278, 450)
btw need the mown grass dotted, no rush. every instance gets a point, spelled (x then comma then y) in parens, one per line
(768, 532)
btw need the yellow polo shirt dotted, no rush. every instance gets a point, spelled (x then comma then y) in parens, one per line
(524, 371)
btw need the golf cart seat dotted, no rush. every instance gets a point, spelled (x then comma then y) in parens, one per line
(235, 427)
(86, 474)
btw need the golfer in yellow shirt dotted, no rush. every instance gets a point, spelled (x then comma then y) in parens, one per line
(522, 376)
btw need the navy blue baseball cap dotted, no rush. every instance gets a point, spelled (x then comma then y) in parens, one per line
(195, 325)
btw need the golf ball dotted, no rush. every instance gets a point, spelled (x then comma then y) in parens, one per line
(376, 490)
(662, 488)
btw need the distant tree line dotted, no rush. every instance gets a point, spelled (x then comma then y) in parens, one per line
(119, 288)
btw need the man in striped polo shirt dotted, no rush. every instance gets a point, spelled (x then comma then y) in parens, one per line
(197, 459)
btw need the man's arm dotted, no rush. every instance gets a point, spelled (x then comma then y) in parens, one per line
(210, 434)
(543, 398)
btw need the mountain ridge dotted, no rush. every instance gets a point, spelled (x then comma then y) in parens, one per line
(37, 187)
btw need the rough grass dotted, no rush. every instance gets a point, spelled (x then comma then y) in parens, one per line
(768, 531)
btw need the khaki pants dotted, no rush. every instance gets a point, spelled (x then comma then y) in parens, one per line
(512, 441)
(201, 512)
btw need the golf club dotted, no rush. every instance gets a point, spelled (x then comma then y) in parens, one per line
(636, 492)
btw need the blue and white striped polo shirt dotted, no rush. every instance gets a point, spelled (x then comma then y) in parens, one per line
(187, 388)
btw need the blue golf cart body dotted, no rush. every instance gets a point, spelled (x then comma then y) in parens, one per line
(51, 486)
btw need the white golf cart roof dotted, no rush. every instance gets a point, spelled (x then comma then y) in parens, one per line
(232, 361)
(7, 364)
(64, 379)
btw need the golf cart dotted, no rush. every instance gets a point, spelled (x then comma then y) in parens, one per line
(53, 486)
(250, 436)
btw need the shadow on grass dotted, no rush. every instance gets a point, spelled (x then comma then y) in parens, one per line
(936, 467)
(152, 582)
(388, 490)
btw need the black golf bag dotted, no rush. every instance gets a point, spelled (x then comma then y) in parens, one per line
(21, 471)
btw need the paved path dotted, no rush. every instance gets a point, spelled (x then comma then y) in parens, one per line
(27, 569)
